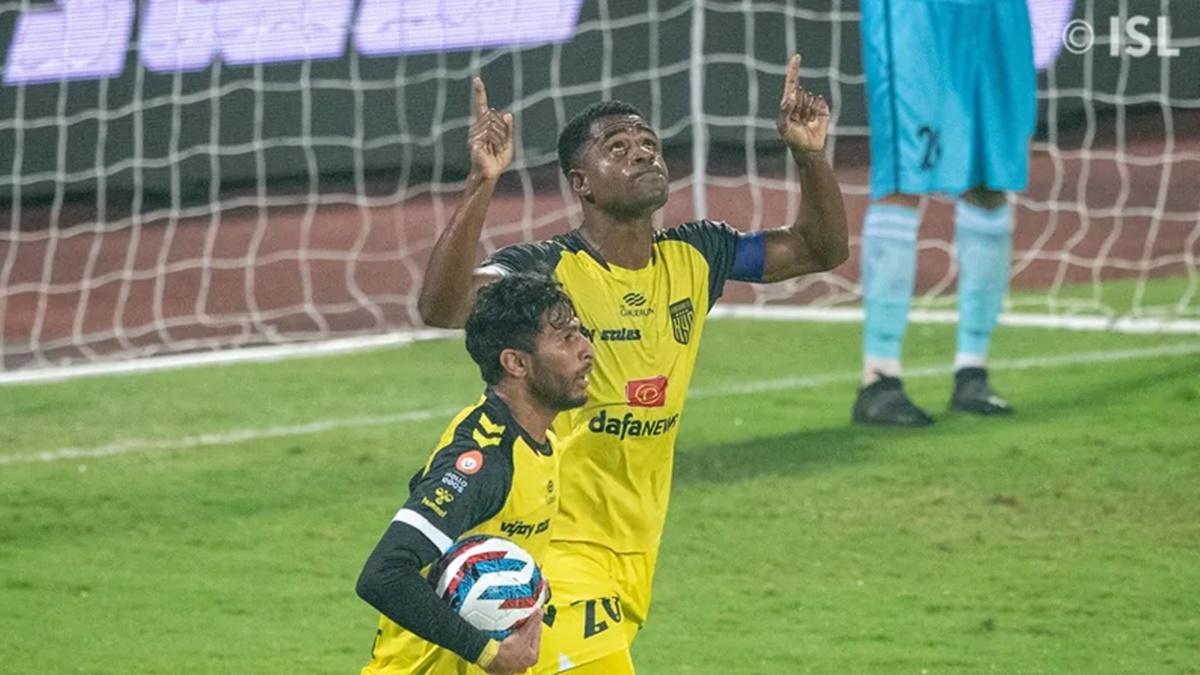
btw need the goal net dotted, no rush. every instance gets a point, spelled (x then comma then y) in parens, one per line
(198, 175)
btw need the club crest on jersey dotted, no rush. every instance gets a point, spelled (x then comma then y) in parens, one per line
(469, 462)
(683, 318)
(650, 392)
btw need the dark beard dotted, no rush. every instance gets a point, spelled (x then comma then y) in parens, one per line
(553, 394)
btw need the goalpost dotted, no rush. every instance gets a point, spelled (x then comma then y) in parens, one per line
(192, 176)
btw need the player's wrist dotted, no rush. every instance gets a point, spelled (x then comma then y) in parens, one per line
(485, 658)
(477, 177)
(805, 157)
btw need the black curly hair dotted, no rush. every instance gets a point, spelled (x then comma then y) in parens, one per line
(575, 135)
(509, 314)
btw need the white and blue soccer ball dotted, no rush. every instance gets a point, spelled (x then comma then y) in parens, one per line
(491, 582)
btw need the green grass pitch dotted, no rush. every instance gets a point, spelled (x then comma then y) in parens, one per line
(1064, 540)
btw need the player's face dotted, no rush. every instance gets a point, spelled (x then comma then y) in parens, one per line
(624, 167)
(562, 361)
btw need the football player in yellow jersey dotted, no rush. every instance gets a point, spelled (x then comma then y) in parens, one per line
(642, 295)
(494, 471)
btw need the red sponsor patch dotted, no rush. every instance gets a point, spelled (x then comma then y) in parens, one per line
(469, 462)
(648, 393)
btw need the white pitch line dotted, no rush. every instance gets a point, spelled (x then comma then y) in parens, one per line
(1095, 324)
(813, 381)
(222, 438)
(801, 382)
(348, 345)
(259, 354)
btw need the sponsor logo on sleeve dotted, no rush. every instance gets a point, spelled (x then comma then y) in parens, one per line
(649, 392)
(469, 463)
(441, 496)
(455, 481)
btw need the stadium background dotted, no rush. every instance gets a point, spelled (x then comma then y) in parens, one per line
(161, 211)
(214, 519)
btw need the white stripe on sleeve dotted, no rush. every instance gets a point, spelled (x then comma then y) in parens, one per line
(434, 535)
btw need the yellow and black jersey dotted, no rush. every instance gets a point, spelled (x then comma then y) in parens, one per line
(645, 325)
(487, 476)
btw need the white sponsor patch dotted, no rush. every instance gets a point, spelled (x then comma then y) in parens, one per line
(455, 481)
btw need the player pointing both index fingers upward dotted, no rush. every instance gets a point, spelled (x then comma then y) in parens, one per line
(643, 296)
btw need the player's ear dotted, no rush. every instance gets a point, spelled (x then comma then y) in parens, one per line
(579, 185)
(514, 362)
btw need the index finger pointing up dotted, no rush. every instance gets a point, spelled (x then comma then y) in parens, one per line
(793, 73)
(479, 95)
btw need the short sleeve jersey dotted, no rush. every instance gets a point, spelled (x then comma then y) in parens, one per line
(645, 326)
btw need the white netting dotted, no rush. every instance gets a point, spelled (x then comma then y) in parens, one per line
(195, 174)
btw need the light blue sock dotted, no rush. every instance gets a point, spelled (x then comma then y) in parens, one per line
(889, 269)
(983, 241)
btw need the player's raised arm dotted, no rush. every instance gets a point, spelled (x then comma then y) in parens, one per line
(448, 290)
(818, 240)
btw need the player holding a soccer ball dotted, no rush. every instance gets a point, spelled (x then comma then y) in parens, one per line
(643, 294)
(494, 472)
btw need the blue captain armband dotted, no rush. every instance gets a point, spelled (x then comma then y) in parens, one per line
(748, 256)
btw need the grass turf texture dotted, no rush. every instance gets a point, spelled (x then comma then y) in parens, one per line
(1167, 298)
(1066, 539)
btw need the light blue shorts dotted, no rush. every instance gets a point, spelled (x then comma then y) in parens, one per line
(952, 92)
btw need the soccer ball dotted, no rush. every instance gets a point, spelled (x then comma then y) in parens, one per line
(491, 582)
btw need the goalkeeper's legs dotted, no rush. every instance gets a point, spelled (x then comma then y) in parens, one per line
(889, 263)
(889, 267)
(983, 223)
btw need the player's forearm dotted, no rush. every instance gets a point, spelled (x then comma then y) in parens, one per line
(391, 582)
(445, 296)
(821, 222)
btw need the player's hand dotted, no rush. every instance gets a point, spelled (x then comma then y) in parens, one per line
(520, 650)
(490, 139)
(803, 119)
